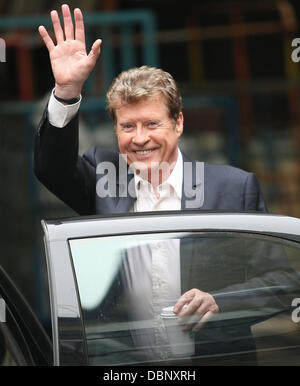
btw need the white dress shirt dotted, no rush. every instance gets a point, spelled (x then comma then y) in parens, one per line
(59, 115)
(153, 270)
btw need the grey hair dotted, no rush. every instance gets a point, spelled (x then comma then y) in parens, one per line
(139, 83)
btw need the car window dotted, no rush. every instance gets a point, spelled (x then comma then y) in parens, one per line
(11, 353)
(128, 286)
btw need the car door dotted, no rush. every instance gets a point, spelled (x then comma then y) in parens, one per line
(109, 280)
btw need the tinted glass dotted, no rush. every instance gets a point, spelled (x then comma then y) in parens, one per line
(10, 350)
(124, 282)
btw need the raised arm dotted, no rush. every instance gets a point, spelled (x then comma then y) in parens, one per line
(57, 164)
(71, 65)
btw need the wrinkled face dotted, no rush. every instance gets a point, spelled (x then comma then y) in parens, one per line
(148, 136)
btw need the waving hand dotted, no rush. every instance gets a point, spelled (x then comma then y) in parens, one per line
(71, 65)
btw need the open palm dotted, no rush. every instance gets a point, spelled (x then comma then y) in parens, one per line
(71, 65)
(70, 62)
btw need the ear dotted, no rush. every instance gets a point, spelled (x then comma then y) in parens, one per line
(179, 125)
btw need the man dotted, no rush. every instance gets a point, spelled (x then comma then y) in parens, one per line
(145, 105)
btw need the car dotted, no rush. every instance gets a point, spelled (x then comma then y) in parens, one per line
(248, 261)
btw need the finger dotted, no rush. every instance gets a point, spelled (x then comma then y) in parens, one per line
(205, 318)
(206, 305)
(68, 22)
(190, 322)
(79, 26)
(192, 307)
(187, 297)
(181, 303)
(46, 38)
(193, 314)
(59, 34)
(95, 52)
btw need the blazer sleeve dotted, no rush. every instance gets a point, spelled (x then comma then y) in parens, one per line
(60, 169)
(269, 279)
(253, 197)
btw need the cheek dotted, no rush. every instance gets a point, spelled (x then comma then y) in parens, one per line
(123, 142)
(171, 141)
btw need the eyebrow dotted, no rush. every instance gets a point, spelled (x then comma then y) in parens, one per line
(146, 121)
(129, 122)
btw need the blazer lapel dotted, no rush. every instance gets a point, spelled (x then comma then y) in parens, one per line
(121, 190)
(124, 204)
(126, 194)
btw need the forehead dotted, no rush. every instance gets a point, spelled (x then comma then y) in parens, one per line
(144, 109)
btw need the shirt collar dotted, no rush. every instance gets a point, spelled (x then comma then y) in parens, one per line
(174, 179)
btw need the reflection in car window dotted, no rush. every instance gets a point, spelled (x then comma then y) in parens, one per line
(10, 352)
(124, 282)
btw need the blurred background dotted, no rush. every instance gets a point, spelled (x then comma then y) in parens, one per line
(241, 99)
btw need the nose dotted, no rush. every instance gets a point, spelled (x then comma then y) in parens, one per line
(140, 136)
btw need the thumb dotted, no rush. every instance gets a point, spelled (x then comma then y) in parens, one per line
(95, 52)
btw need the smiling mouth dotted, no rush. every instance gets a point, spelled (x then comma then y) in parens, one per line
(143, 152)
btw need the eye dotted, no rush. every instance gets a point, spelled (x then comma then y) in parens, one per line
(153, 124)
(127, 127)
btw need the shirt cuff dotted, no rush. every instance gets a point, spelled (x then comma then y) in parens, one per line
(60, 115)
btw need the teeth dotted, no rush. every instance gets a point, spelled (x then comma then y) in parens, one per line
(142, 152)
